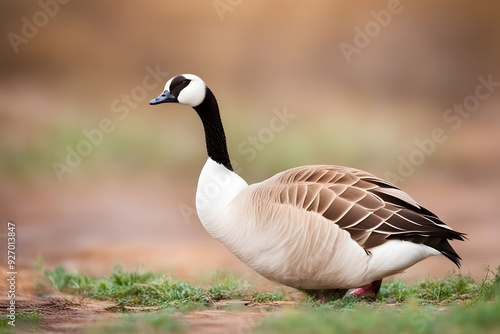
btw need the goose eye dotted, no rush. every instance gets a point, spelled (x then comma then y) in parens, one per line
(185, 82)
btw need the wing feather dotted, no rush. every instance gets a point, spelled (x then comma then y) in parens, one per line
(372, 210)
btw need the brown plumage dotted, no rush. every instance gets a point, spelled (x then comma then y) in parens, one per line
(370, 209)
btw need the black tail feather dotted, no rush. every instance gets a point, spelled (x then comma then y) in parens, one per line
(442, 245)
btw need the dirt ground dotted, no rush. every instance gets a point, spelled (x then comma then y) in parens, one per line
(90, 229)
(65, 314)
(71, 314)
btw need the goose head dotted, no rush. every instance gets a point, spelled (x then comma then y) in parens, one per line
(187, 89)
(191, 90)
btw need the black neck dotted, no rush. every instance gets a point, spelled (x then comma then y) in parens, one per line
(215, 138)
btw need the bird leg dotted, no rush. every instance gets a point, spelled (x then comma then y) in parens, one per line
(371, 289)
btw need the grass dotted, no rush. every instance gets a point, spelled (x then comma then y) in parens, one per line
(412, 318)
(445, 291)
(27, 320)
(135, 289)
(150, 289)
(226, 286)
(268, 297)
(456, 303)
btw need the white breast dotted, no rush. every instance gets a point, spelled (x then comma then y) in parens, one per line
(217, 187)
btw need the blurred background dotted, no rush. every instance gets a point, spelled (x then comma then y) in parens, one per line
(93, 175)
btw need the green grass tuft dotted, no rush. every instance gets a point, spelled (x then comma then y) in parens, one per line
(268, 297)
(146, 289)
(226, 286)
(489, 288)
(448, 289)
(395, 291)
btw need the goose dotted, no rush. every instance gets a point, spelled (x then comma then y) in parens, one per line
(320, 229)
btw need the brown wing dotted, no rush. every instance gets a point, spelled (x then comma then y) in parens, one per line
(370, 209)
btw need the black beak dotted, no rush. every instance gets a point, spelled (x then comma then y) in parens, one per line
(164, 98)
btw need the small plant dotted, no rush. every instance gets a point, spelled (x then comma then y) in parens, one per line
(268, 297)
(29, 316)
(226, 286)
(446, 290)
(489, 288)
(395, 291)
(79, 284)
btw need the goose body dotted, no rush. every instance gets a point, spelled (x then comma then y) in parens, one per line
(317, 228)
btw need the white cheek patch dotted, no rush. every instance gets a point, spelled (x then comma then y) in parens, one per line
(193, 94)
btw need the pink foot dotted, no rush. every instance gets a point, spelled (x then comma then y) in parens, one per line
(367, 290)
